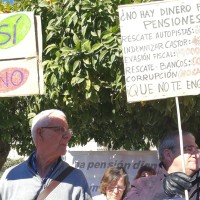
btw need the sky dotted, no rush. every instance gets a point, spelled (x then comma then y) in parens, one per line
(11, 1)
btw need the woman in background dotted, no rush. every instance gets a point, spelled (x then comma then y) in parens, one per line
(145, 171)
(114, 184)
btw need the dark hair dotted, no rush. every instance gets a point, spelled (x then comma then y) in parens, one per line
(170, 141)
(145, 168)
(110, 175)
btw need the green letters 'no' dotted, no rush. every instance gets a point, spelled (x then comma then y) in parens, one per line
(13, 30)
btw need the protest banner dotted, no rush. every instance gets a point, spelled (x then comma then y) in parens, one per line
(161, 46)
(20, 54)
(94, 163)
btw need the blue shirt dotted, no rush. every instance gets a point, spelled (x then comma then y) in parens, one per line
(34, 166)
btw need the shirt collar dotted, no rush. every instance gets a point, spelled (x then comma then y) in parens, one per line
(34, 165)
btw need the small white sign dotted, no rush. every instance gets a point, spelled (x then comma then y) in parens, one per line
(20, 54)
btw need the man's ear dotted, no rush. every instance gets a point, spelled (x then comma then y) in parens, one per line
(39, 134)
(168, 155)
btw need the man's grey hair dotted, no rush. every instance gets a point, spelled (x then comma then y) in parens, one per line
(170, 141)
(43, 119)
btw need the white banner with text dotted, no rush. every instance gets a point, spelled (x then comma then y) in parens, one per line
(94, 163)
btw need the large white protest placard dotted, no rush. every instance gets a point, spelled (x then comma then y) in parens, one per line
(161, 48)
(94, 163)
(20, 54)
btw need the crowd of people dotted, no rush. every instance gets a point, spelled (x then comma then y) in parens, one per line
(44, 175)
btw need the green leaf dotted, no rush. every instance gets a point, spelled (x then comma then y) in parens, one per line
(106, 35)
(112, 59)
(31, 115)
(86, 46)
(75, 20)
(77, 7)
(69, 17)
(50, 47)
(102, 55)
(93, 33)
(84, 29)
(43, 4)
(76, 64)
(109, 40)
(86, 61)
(88, 84)
(88, 95)
(76, 80)
(97, 87)
(49, 36)
(76, 41)
(96, 46)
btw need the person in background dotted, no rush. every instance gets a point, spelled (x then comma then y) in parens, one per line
(145, 171)
(114, 184)
(151, 187)
(34, 178)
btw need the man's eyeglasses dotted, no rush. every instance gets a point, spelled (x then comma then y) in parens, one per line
(191, 149)
(60, 129)
(119, 188)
